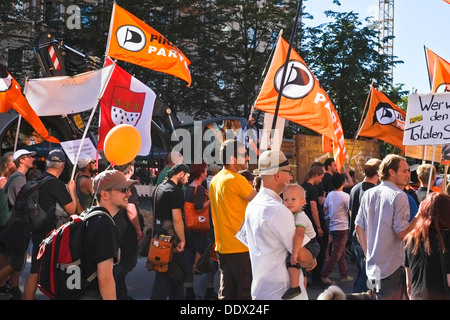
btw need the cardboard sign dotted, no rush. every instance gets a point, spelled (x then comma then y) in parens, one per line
(71, 148)
(427, 119)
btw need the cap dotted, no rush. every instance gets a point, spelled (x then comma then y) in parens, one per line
(83, 160)
(272, 161)
(177, 169)
(111, 179)
(214, 168)
(22, 152)
(56, 155)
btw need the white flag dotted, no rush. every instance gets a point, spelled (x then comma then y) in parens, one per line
(65, 95)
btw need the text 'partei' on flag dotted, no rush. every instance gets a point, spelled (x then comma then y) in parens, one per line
(132, 40)
(303, 100)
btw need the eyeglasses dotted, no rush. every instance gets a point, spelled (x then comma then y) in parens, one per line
(291, 173)
(123, 190)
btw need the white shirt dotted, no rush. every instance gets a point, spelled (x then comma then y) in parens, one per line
(270, 232)
(337, 203)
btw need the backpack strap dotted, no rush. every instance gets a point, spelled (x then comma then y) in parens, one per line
(97, 211)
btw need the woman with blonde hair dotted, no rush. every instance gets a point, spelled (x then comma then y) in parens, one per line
(427, 258)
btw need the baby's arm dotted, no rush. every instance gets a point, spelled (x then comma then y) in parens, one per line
(298, 241)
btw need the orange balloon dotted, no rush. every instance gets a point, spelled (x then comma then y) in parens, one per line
(122, 144)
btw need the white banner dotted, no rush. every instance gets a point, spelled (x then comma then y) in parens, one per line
(65, 95)
(427, 119)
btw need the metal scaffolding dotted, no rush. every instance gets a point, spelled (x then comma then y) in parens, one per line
(386, 35)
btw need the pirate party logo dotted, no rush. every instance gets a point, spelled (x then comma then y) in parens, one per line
(299, 81)
(385, 114)
(130, 38)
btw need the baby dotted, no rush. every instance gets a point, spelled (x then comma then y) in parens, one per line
(294, 199)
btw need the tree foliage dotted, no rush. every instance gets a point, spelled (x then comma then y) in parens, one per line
(230, 44)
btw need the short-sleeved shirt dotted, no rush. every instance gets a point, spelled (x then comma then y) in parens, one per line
(311, 195)
(18, 180)
(50, 192)
(227, 193)
(168, 197)
(336, 203)
(302, 220)
(383, 212)
(100, 243)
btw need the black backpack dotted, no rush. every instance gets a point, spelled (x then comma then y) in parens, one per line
(62, 272)
(26, 207)
(5, 207)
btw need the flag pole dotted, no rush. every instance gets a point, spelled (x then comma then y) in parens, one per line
(89, 122)
(17, 132)
(283, 77)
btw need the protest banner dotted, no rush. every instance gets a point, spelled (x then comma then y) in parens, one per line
(427, 119)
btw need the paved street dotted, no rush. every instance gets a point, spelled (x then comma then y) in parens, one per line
(140, 282)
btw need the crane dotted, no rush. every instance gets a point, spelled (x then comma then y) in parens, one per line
(386, 35)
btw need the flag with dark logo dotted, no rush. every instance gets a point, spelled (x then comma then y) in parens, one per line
(384, 120)
(11, 97)
(131, 40)
(438, 71)
(303, 100)
(127, 100)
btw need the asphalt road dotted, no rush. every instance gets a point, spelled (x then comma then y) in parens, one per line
(140, 282)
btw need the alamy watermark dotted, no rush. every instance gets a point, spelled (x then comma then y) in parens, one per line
(74, 18)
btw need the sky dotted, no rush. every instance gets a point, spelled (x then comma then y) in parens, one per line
(417, 23)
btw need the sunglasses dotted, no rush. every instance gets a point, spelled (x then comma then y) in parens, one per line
(123, 190)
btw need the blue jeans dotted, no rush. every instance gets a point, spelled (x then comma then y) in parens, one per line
(361, 280)
(206, 281)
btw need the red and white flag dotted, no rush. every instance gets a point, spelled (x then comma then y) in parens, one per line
(126, 100)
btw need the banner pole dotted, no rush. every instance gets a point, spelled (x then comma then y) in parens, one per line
(431, 171)
(89, 123)
(283, 77)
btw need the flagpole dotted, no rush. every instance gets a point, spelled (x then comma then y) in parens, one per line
(89, 122)
(428, 68)
(283, 77)
(364, 111)
(17, 132)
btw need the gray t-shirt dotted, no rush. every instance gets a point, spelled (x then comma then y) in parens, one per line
(16, 184)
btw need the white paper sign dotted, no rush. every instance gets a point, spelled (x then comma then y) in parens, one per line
(241, 235)
(427, 119)
(71, 149)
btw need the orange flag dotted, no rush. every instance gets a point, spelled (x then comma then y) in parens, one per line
(303, 100)
(131, 40)
(384, 120)
(11, 97)
(439, 72)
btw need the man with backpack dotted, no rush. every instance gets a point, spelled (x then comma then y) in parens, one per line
(101, 242)
(23, 159)
(52, 192)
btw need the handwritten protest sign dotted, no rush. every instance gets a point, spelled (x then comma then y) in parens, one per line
(427, 119)
(71, 149)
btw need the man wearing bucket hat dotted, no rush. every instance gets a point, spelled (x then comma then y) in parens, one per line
(270, 230)
(112, 190)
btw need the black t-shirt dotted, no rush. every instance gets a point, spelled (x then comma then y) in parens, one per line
(326, 180)
(100, 243)
(50, 192)
(128, 242)
(427, 278)
(199, 196)
(168, 196)
(311, 195)
(355, 199)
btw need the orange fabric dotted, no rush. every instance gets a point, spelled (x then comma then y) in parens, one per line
(439, 71)
(391, 132)
(303, 101)
(131, 40)
(13, 98)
